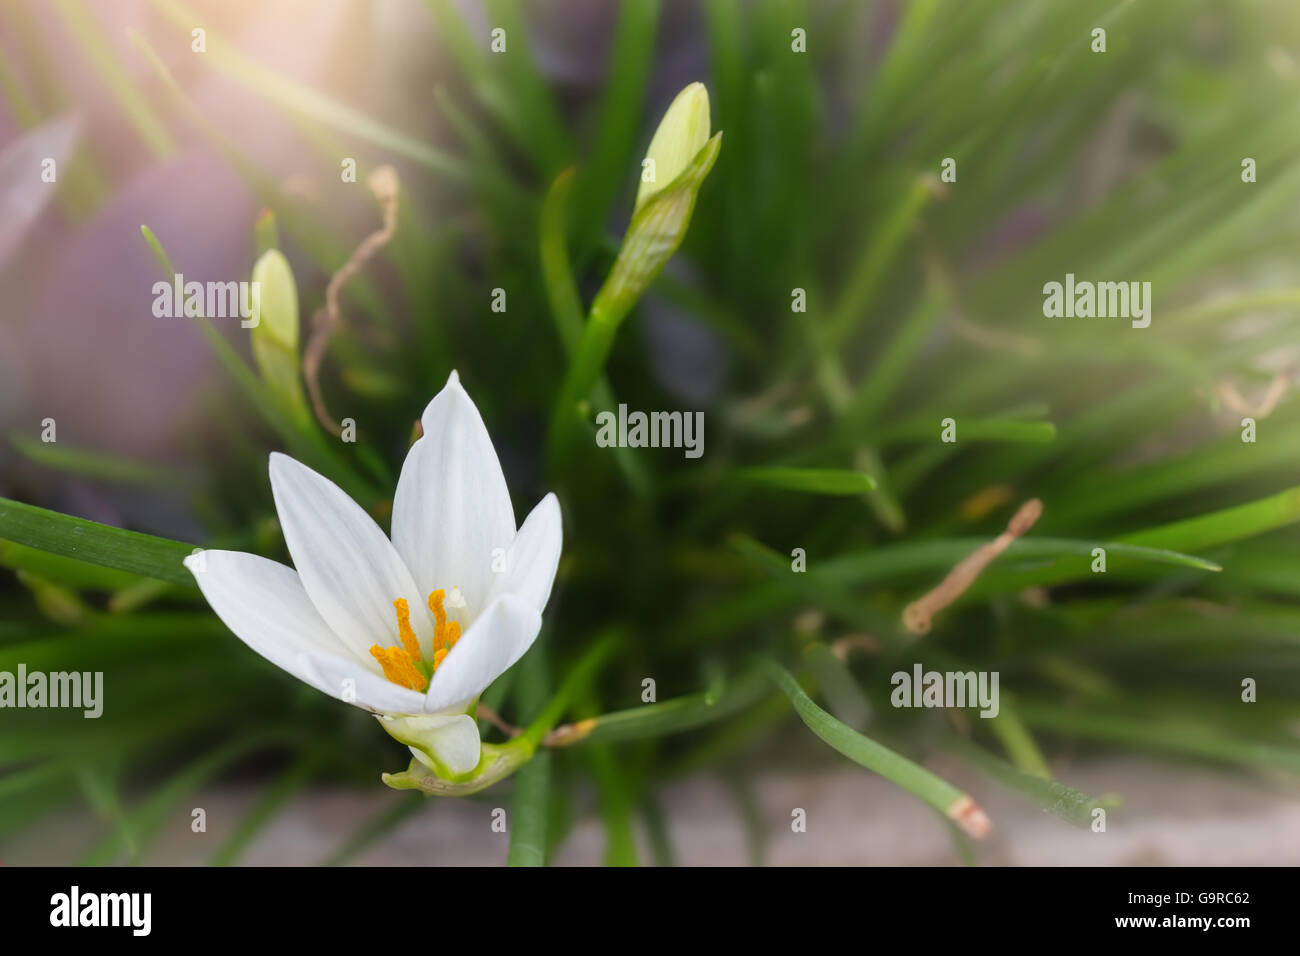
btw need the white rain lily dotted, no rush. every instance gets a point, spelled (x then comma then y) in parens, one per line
(413, 629)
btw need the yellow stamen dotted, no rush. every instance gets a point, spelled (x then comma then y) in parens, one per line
(439, 615)
(445, 633)
(403, 665)
(409, 640)
(398, 667)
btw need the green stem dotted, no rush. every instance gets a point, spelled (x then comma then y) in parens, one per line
(862, 750)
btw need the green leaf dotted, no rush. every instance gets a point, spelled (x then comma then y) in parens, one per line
(672, 716)
(561, 289)
(656, 824)
(95, 543)
(970, 430)
(614, 798)
(89, 464)
(66, 571)
(307, 102)
(588, 666)
(146, 822)
(916, 556)
(881, 244)
(837, 685)
(819, 481)
(566, 308)
(1162, 733)
(376, 828)
(524, 85)
(630, 59)
(530, 812)
(1056, 798)
(1220, 527)
(1153, 544)
(530, 801)
(862, 750)
(292, 779)
(116, 80)
(506, 83)
(1019, 743)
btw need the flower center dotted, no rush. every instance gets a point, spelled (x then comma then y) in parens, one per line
(405, 665)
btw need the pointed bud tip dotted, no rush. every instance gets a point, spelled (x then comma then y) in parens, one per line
(681, 134)
(277, 300)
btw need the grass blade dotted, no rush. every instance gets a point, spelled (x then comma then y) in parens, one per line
(1055, 798)
(95, 543)
(818, 481)
(296, 776)
(530, 801)
(376, 828)
(912, 777)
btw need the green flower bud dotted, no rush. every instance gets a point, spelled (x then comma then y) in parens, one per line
(275, 331)
(682, 133)
(277, 299)
(658, 227)
(681, 156)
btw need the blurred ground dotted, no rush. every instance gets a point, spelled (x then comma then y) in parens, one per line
(1171, 816)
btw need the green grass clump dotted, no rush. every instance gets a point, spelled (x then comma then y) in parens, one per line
(922, 301)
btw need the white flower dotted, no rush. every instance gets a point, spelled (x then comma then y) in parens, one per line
(414, 629)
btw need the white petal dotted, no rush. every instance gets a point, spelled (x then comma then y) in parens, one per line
(484, 652)
(452, 507)
(349, 568)
(450, 739)
(354, 684)
(264, 603)
(533, 556)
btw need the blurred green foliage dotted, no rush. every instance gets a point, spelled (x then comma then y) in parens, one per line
(923, 302)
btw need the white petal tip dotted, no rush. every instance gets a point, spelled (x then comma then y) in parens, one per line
(278, 466)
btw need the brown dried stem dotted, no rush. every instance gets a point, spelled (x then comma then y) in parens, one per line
(384, 184)
(1277, 389)
(917, 615)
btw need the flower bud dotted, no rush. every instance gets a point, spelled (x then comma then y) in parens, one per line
(274, 331)
(682, 133)
(277, 299)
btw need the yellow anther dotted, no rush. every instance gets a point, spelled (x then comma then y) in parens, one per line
(398, 667)
(404, 665)
(409, 640)
(445, 633)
